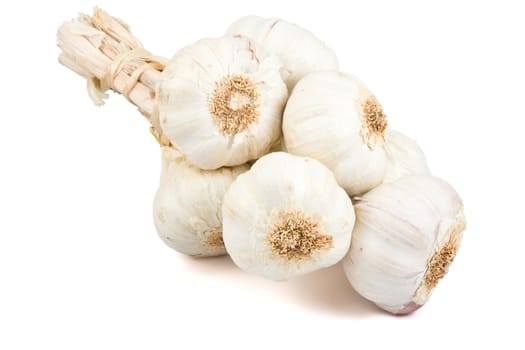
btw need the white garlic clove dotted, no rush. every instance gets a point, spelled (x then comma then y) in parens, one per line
(221, 101)
(406, 235)
(187, 209)
(286, 217)
(404, 157)
(332, 117)
(300, 50)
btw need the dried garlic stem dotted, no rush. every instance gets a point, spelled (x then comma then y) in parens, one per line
(102, 49)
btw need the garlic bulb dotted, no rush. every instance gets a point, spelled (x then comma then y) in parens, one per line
(300, 50)
(187, 207)
(334, 118)
(221, 101)
(404, 157)
(285, 217)
(406, 235)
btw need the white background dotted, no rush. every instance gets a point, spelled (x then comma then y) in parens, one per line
(81, 266)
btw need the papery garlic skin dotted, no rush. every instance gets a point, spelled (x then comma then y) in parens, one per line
(221, 101)
(286, 217)
(406, 235)
(187, 209)
(404, 157)
(332, 117)
(300, 50)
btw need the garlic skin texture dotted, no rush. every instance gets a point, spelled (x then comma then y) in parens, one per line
(332, 117)
(406, 235)
(221, 101)
(300, 50)
(187, 207)
(286, 217)
(404, 157)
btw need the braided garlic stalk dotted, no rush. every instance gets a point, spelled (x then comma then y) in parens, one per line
(102, 49)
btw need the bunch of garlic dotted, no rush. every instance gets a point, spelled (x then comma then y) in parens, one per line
(274, 156)
(406, 235)
(404, 157)
(333, 117)
(187, 209)
(300, 51)
(286, 216)
(221, 101)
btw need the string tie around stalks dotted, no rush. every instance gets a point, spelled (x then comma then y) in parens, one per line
(139, 56)
(144, 60)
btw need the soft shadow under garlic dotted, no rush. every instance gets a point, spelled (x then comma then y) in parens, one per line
(214, 265)
(328, 291)
(325, 291)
